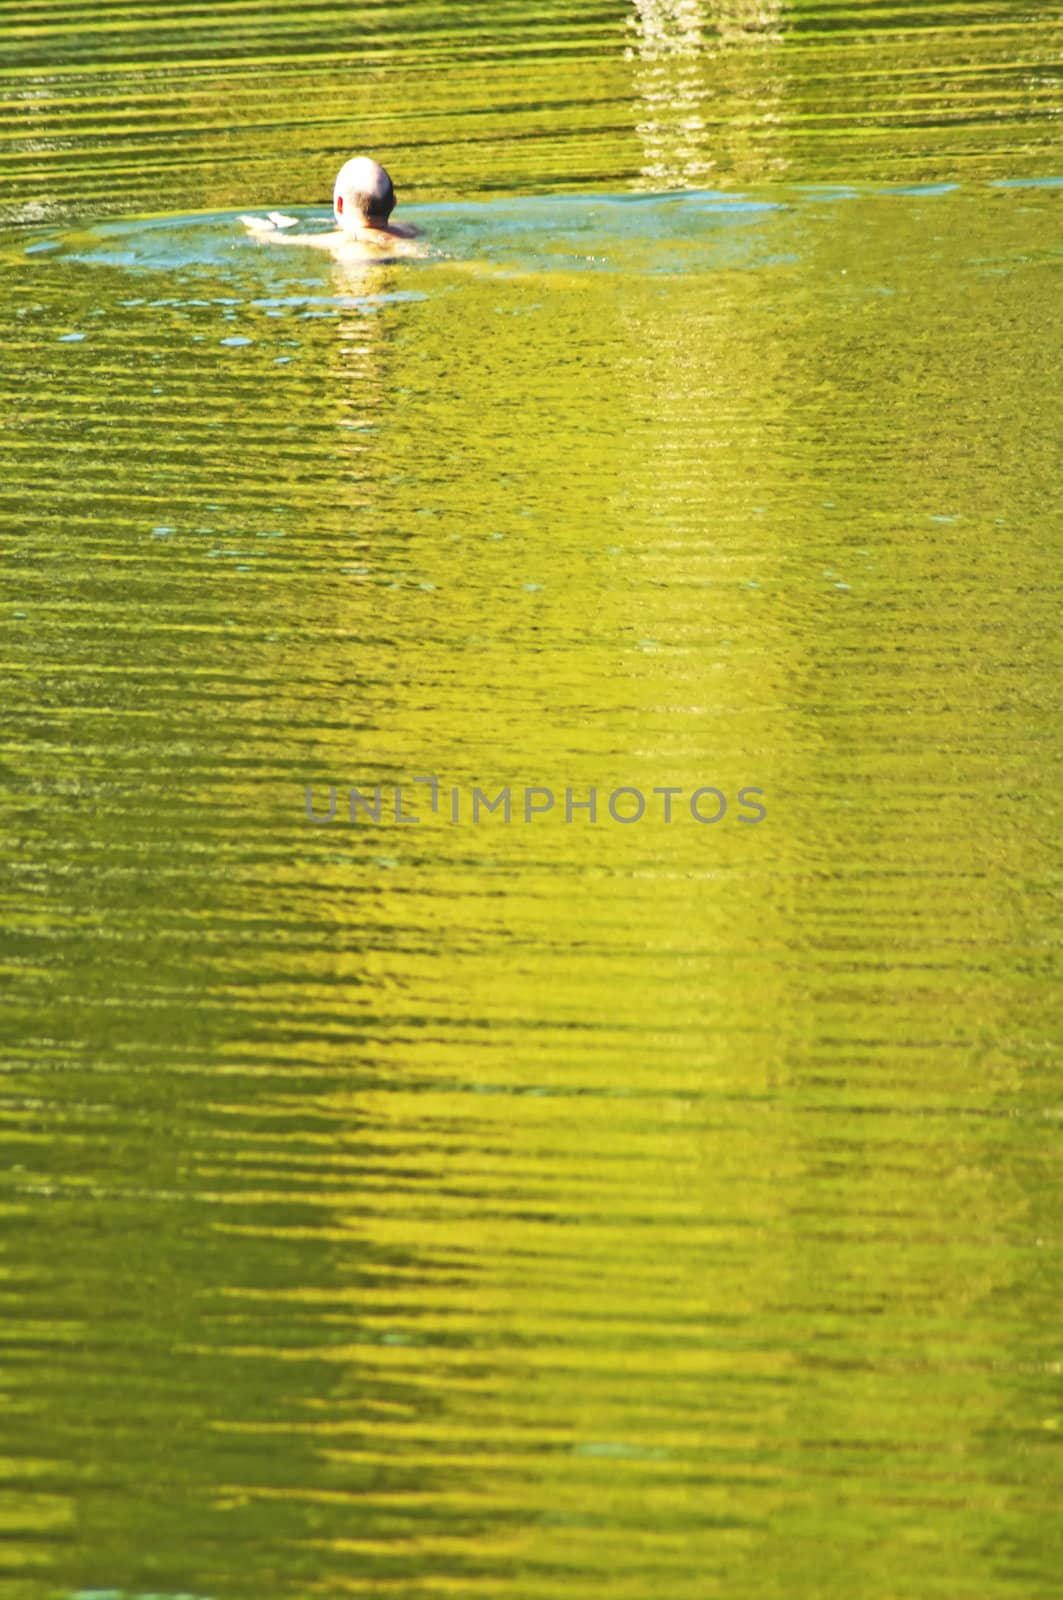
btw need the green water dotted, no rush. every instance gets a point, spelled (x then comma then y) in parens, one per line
(545, 1207)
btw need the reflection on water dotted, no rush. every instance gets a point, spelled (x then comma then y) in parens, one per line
(671, 86)
(688, 53)
(531, 1209)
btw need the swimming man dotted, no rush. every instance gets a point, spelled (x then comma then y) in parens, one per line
(362, 202)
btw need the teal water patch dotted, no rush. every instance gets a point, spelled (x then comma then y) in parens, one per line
(596, 232)
(694, 230)
(920, 188)
(697, 229)
(123, 1594)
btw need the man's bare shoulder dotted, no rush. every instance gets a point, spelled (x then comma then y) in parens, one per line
(375, 242)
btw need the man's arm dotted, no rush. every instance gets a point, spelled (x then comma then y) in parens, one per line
(270, 231)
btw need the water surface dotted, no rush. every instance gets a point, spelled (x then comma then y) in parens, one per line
(544, 1207)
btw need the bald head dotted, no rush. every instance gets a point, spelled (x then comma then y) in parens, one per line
(363, 195)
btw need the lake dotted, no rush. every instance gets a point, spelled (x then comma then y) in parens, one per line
(530, 879)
